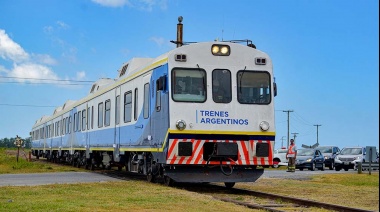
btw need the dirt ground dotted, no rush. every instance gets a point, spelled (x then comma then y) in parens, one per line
(22, 153)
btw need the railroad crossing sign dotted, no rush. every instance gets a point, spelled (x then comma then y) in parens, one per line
(18, 141)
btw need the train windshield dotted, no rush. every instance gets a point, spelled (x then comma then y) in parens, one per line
(189, 85)
(221, 86)
(253, 87)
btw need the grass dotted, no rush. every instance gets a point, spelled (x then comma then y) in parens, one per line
(352, 190)
(107, 196)
(10, 165)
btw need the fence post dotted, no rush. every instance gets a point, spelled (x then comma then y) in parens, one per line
(359, 166)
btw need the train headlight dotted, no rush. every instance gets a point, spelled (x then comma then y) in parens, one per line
(264, 126)
(180, 124)
(215, 50)
(224, 50)
(220, 50)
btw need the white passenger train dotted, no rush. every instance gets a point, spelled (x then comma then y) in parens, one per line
(203, 112)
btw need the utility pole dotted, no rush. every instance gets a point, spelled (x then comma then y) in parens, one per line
(288, 111)
(294, 136)
(317, 125)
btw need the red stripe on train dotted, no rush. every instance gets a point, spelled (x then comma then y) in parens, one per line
(246, 153)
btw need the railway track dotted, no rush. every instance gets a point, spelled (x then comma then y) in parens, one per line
(247, 198)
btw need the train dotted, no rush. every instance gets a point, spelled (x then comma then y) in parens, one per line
(201, 112)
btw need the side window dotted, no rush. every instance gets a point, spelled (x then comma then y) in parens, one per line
(221, 86)
(92, 117)
(117, 110)
(159, 88)
(66, 125)
(75, 122)
(79, 120)
(63, 126)
(69, 124)
(136, 105)
(52, 130)
(57, 128)
(146, 101)
(100, 114)
(84, 119)
(88, 118)
(107, 115)
(253, 87)
(128, 106)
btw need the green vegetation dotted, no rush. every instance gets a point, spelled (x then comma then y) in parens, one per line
(9, 164)
(349, 189)
(108, 196)
(10, 142)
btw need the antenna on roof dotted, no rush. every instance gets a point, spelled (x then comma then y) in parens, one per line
(179, 40)
(180, 32)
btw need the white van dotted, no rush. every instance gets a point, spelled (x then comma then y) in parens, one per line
(279, 158)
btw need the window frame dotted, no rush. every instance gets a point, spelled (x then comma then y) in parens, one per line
(188, 94)
(127, 107)
(100, 115)
(258, 100)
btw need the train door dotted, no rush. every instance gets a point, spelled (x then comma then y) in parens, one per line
(90, 124)
(60, 133)
(87, 127)
(160, 110)
(117, 116)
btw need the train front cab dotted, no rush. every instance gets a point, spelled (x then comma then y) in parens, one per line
(217, 137)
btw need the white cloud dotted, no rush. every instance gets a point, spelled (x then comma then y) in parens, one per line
(27, 67)
(81, 75)
(146, 5)
(62, 25)
(3, 69)
(158, 40)
(44, 58)
(48, 29)
(68, 51)
(31, 70)
(9, 50)
(112, 3)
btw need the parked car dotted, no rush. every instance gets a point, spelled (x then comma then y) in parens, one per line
(329, 152)
(279, 158)
(348, 158)
(310, 159)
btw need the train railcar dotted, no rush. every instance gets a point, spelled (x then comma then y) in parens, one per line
(202, 112)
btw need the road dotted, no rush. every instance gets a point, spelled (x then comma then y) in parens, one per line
(83, 177)
(52, 178)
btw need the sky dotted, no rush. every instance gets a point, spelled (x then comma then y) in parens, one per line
(325, 56)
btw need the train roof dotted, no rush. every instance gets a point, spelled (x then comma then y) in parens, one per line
(133, 66)
(100, 83)
(41, 120)
(139, 65)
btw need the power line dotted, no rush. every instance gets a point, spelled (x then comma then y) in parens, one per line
(44, 83)
(59, 80)
(27, 105)
(299, 117)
